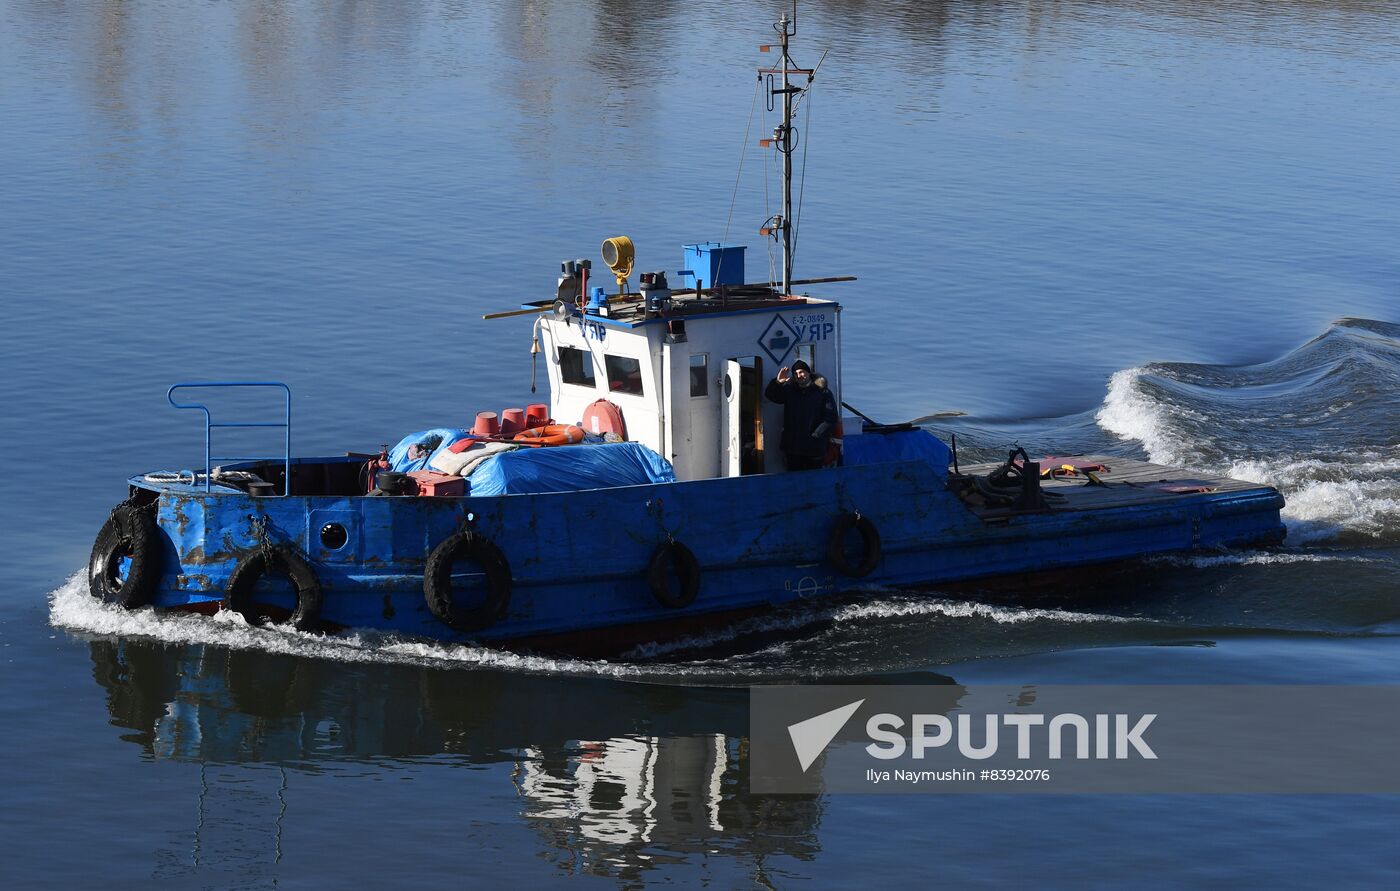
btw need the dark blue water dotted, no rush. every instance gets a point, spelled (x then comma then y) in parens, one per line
(1148, 229)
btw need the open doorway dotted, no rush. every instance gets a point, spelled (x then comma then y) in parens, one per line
(743, 411)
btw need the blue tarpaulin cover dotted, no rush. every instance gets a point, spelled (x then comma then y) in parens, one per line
(897, 445)
(570, 468)
(398, 455)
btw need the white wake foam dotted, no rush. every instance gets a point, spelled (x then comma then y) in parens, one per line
(966, 609)
(1250, 558)
(1129, 413)
(1357, 492)
(887, 607)
(71, 608)
(1350, 491)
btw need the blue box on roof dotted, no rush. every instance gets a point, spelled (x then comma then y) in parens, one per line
(710, 264)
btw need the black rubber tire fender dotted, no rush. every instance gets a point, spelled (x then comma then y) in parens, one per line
(238, 596)
(672, 555)
(437, 581)
(870, 541)
(129, 532)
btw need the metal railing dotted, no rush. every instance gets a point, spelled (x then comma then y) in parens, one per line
(209, 425)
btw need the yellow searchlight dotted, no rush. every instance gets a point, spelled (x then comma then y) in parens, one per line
(619, 254)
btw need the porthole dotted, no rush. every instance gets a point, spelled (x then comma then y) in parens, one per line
(334, 536)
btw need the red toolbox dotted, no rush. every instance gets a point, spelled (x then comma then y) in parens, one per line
(430, 482)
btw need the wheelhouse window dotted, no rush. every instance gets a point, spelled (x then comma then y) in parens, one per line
(700, 375)
(624, 374)
(576, 367)
(807, 352)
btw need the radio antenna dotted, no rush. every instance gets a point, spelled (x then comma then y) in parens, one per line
(784, 135)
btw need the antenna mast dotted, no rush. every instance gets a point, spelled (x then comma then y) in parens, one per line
(783, 134)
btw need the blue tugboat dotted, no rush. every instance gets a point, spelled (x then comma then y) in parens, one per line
(649, 498)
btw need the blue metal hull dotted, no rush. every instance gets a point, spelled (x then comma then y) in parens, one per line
(578, 560)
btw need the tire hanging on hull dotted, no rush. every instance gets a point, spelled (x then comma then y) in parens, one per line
(130, 532)
(437, 581)
(284, 559)
(669, 555)
(870, 546)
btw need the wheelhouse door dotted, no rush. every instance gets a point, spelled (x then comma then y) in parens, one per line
(743, 416)
(733, 419)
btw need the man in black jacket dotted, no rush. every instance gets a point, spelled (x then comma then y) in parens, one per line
(809, 415)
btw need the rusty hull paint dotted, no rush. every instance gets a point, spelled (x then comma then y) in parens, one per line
(578, 559)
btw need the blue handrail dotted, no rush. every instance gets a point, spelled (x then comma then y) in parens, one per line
(286, 425)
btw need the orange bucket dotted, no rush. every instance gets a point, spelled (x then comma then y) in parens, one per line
(486, 424)
(512, 420)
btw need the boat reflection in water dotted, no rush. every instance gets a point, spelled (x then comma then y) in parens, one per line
(618, 778)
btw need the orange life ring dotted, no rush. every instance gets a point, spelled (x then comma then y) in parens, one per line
(602, 416)
(551, 435)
